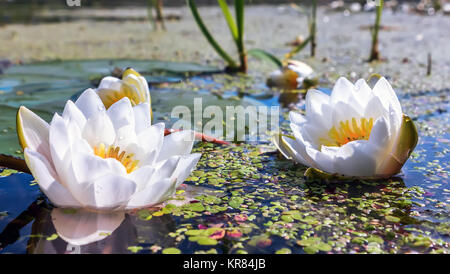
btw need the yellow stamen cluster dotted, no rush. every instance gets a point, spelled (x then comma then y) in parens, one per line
(126, 159)
(348, 131)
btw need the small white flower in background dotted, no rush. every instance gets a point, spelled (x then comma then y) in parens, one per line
(132, 85)
(290, 76)
(105, 158)
(356, 131)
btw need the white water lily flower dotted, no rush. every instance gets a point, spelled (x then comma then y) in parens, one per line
(104, 159)
(290, 76)
(356, 131)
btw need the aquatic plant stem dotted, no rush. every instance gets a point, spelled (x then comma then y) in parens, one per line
(374, 53)
(239, 6)
(12, 162)
(312, 31)
(199, 136)
(150, 13)
(159, 14)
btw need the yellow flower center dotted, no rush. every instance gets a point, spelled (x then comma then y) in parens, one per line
(347, 132)
(126, 159)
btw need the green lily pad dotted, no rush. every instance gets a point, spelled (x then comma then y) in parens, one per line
(171, 250)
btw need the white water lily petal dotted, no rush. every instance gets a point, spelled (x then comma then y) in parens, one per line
(301, 140)
(322, 161)
(126, 136)
(294, 148)
(152, 138)
(379, 136)
(342, 91)
(87, 167)
(110, 83)
(343, 112)
(142, 116)
(375, 108)
(72, 115)
(384, 91)
(59, 137)
(89, 103)
(154, 193)
(177, 143)
(297, 118)
(185, 166)
(121, 114)
(363, 93)
(354, 159)
(142, 177)
(99, 129)
(33, 132)
(60, 143)
(318, 107)
(311, 133)
(166, 168)
(47, 180)
(108, 192)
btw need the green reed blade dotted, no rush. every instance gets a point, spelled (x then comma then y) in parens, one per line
(312, 31)
(374, 53)
(264, 55)
(229, 18)
(239, 6)
(150, 5)
(208, 36)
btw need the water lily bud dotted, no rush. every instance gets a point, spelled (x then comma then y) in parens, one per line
(291, 76)
(132, 85)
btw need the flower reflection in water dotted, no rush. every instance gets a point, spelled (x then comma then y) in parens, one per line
(82, 231)
(86, 232)
(83, 227)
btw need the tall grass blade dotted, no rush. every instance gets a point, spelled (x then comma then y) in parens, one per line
(312, 30)
(150, 5)
(374, 53)
(229, 18)
(239, 7)
(266, 56)
(204, 30)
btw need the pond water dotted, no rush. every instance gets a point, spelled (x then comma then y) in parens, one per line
(242, 198)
